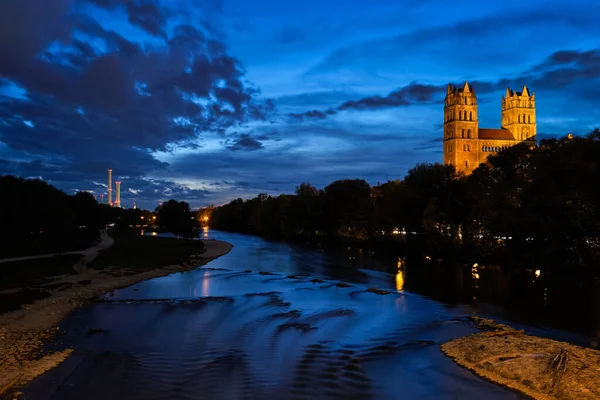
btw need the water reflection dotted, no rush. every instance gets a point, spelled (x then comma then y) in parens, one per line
(528, 297)
(399, 276)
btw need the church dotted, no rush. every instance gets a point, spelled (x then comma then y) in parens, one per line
(466, 145)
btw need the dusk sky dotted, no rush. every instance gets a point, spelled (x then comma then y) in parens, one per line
(207, 101)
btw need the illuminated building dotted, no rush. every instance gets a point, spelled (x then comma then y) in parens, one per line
(466, 145)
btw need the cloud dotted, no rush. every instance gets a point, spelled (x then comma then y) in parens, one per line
(246, 143)
(413, 93)
(96, 99)
(489, 44)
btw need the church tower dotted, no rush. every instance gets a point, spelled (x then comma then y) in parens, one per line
(518, 114)
(461, 123)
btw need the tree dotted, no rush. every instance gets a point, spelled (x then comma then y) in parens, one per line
(176, 217)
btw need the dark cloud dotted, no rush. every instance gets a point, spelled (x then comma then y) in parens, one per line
(246, 143)
(146, 14)
(91, 107)
(414, 93)
(314, 114)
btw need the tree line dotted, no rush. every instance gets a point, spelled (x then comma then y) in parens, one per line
(36, 217)
(533, 203)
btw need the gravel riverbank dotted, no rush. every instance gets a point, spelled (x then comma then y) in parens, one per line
(23, 331)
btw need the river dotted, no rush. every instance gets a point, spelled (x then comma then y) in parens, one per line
(255, 324)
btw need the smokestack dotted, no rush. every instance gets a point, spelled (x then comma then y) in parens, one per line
(118, 199)
(110, 187)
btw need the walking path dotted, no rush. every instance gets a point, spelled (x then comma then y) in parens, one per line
(89, 254)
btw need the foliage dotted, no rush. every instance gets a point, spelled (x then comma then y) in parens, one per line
(542, 201)
(176, 217)
(36, 218)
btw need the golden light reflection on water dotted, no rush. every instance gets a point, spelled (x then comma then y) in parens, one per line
(399, 276)
(475, 276)
(205, 231)
(399, 281)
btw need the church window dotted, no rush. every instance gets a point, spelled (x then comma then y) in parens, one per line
(469, 133)
(471, 116)
(482, 148)
(467, 163)
(463, 133)
(529, 118)
(523, 118)
(519, 117)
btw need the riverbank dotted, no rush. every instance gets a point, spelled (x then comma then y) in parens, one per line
(543, 369)
(24, 331)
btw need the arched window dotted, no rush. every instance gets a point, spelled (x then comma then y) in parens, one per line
(523, 118)
(529, 118)
(467, 163)
(482, 148)
(469, 133)
(463, 133)
(519, 117)
(471, 115)
(459, 115)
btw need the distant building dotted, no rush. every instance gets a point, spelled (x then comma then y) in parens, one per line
(466, 145)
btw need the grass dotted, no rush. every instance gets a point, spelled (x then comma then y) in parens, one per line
(136, 252)
(42, 245)
(19, 274)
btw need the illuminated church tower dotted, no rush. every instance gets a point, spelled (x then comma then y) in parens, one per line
(466, 145)
(461, 125)
(518, 114)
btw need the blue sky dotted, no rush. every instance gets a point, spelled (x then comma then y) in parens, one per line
(206, 101)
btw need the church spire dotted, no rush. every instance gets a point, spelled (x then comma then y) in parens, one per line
(449, 91)
(525, 92)
(466, 88)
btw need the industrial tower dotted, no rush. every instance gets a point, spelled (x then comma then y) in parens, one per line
(110, 203)
(118, 199)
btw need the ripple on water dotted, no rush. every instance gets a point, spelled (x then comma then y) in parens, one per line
(254, 336)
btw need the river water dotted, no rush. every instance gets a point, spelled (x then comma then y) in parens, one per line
(255, 324)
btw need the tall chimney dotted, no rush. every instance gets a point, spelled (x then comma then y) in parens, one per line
(110, 187)
(118, 199)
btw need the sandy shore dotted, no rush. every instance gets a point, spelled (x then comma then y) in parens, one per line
(23, 331)
(541, 368)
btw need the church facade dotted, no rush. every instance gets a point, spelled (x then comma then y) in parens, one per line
(466, 145)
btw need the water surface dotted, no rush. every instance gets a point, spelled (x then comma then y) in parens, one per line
(220, 332)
